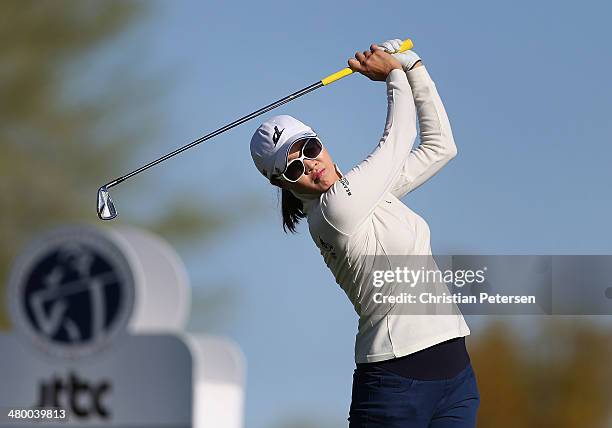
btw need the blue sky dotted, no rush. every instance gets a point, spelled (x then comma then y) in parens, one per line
(525, 85)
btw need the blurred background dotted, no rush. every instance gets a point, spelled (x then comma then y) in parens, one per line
(90, 90)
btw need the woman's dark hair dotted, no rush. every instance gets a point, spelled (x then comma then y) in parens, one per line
(292, 208)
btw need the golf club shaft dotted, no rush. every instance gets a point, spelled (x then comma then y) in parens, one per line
(407, 44)
(218, 131)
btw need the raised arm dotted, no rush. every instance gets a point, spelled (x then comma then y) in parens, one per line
(437, 145)
(349, 202)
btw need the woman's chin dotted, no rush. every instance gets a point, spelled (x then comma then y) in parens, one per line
(318, 188)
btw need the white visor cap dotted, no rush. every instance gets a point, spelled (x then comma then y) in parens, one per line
(271, 142)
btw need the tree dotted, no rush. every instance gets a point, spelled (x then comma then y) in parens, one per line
(560, 377)
(62, 120)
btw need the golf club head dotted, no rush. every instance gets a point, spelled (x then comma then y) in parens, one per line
(106, 207)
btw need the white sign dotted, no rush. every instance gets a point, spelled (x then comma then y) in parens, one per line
(99, 341)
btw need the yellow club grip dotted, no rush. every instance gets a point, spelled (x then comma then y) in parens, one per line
(407, 44)
(337, 76)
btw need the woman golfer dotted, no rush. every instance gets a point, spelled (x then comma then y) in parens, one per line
(413, 369)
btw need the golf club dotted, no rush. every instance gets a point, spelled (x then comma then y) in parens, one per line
(105, 206)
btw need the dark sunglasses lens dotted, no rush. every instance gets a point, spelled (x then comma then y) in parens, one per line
(312, 148)
(294, 171)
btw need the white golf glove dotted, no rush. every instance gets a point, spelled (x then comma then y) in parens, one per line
(407, 58)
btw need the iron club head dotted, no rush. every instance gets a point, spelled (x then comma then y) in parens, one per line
(106, 207)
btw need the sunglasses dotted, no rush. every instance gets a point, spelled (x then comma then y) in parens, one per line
(294, 170)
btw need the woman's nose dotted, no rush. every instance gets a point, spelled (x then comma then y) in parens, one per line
(309, 164)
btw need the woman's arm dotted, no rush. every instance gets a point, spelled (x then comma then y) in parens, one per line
(437, 145)
(349, 202)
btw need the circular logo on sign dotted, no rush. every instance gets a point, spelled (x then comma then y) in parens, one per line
(72, 291)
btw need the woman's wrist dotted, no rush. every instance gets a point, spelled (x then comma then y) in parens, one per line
(395, 67)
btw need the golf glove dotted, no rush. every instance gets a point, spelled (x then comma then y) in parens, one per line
(407, 58)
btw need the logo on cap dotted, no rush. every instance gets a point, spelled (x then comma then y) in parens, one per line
(277, 135)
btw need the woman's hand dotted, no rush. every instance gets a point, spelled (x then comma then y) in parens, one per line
(409, 59)
(376, 64)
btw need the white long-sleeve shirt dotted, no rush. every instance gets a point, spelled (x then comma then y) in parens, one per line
(361, 215)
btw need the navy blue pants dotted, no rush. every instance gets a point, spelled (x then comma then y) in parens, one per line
(382, 398)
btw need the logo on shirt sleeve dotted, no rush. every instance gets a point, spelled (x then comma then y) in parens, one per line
(345, 184)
